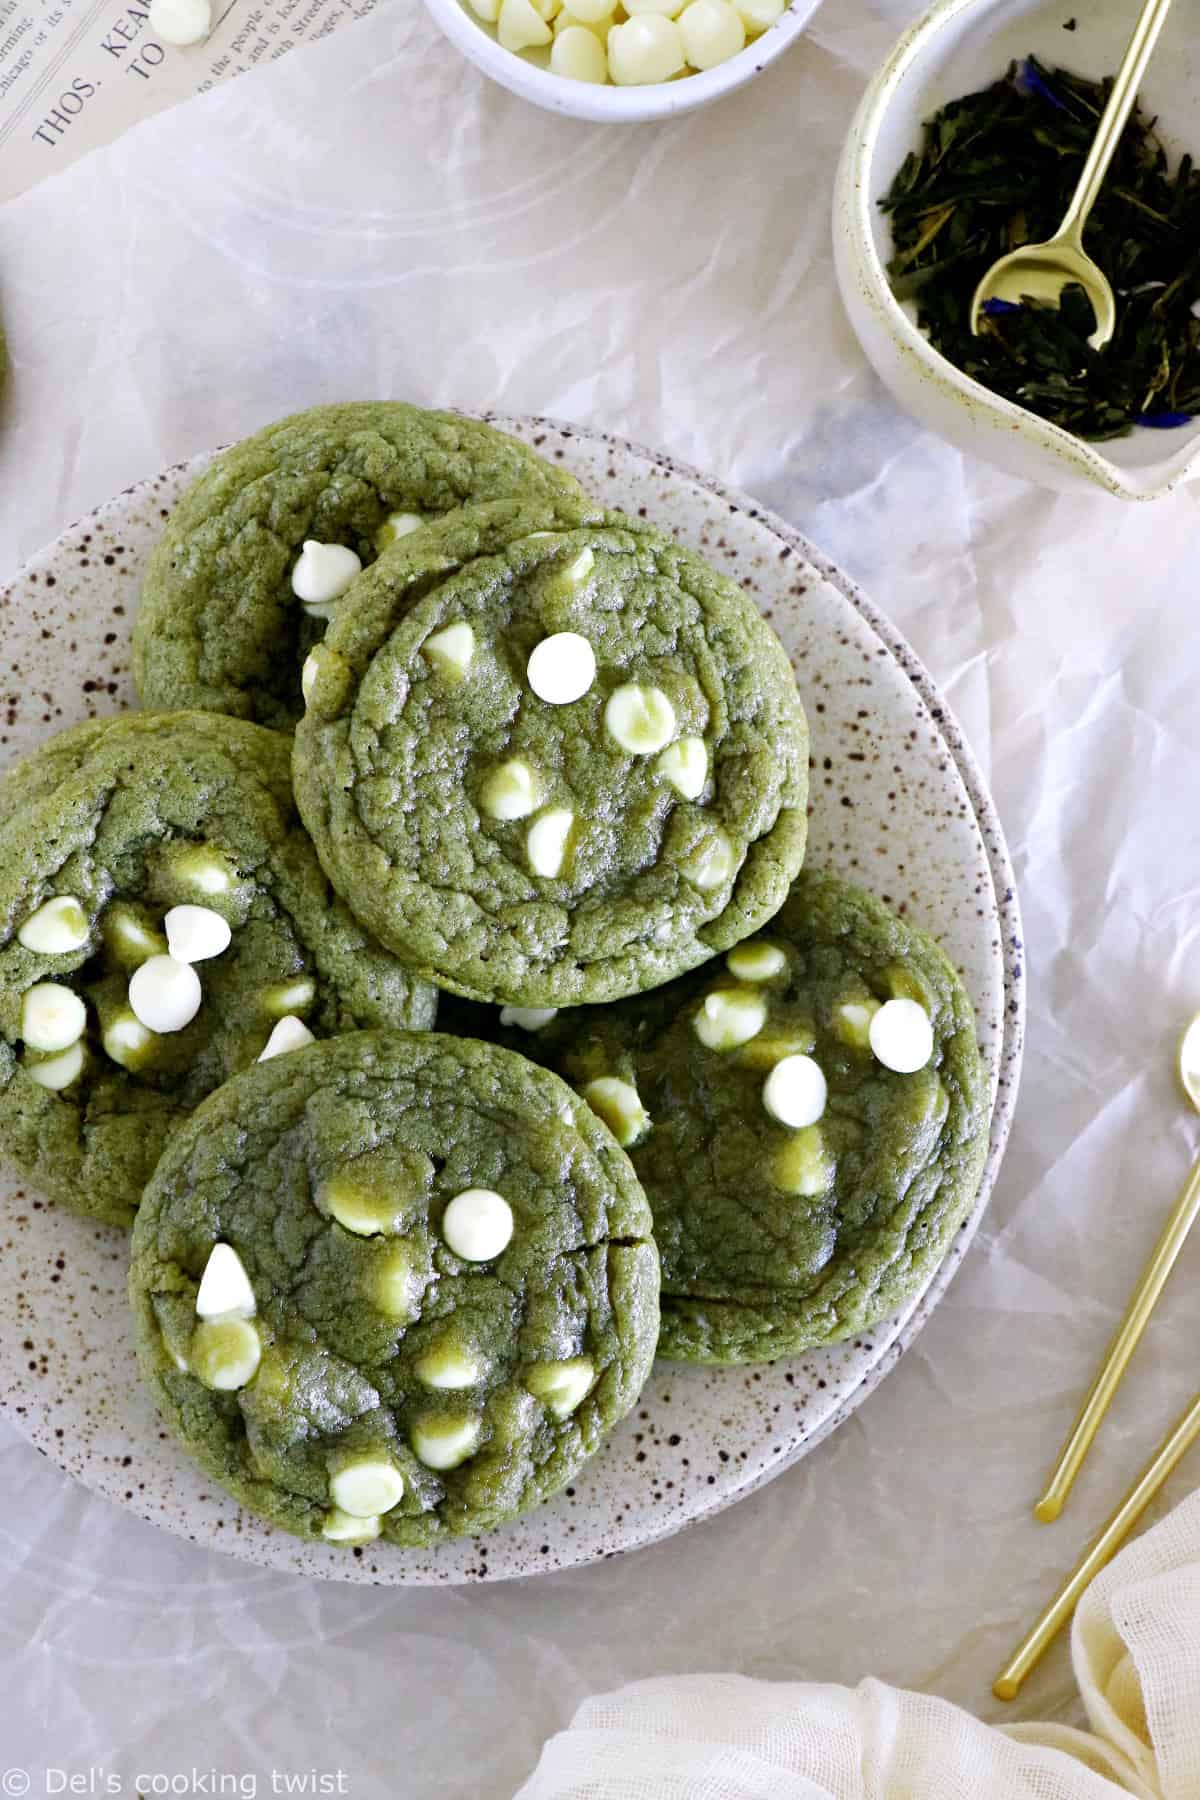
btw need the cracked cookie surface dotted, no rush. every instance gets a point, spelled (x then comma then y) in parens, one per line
(552, 766)
(219, 627)
(412, 1372)
(103, 831)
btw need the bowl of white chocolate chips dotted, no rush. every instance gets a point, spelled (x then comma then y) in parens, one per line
(621, 60)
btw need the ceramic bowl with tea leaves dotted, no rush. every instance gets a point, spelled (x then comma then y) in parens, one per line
(958, 48)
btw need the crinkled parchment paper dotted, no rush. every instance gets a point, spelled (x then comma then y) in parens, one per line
(371, 218)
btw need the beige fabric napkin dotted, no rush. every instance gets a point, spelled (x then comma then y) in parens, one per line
(1136, 1652)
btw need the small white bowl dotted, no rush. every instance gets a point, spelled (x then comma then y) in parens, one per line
(957, 47)
(616, 105)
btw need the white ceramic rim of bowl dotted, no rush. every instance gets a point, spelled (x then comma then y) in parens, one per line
(249, 1547)
(616, 105)
(854, 207)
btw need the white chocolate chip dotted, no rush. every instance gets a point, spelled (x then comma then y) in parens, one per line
(56, 928)
(758, 15)
(546, 841)
(165, 994)
(308, 675)
(510, 792)
(225, 1353)
(852, 1022)
(357, 1208)
(521, 26)
(451, 650)
(57, 1072)
(289, 996)
(127, 939)
(577, 572)
(547, 9)
(728, 1018)
(204, 869)
(343, 1528)
(448, 1366)
(640, 719)
(802, 1165)
(181, 22)
(196, 933)
(712, 862)
(599, 27)
(619, 1104)
(527, 1018)
(53, 1017)
(712, 32)
(396, 1289)
(795, 1092)
(402, 524)
(645, 49)
(756, 962)
(290, 1033)
(562, 668)
(478, 1224)
(902, 1036)
(127, 1040)
(442, 1443)
(323, 572)
(367, 1487)
(561, 1386)
(578, 55)
(225, 1291)
(685, 765)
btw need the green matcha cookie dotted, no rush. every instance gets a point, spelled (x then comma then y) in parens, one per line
(395, 1285)
(802, 1187)
(163, 921)
(222, 626)
(548, 766)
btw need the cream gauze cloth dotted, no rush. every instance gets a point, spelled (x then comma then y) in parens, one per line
(1136, 1652)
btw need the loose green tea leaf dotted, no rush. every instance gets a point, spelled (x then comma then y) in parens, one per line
(996, 170)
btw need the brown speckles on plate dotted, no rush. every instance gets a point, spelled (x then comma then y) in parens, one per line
(927, 834)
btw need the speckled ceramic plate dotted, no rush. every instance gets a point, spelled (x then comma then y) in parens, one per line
(897, 804)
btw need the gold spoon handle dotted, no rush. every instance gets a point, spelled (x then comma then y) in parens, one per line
(1034, 1647)
(1137, 1316)
(1112, 120)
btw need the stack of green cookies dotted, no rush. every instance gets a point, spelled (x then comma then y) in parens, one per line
(391, 1281)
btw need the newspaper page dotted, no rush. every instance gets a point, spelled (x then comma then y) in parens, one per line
(75, 74)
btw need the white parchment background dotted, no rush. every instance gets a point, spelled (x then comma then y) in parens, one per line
(370, 218)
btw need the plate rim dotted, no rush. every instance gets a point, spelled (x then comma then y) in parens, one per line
(242, 1547)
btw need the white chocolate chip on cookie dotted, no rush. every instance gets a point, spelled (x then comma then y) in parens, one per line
(289, 1033)
(399, 525)
(196, 933)
(756, 962)
(478, 1224)
(165, 994)
(728, 1018)
(546, 841)
(685, 765)
(640, 719)
(448, 1365)
(795, 1092)
(562, 668)
(53, 1017)
(56, 928)
(712, 862)
(343, 1528)
(225, 1291)
(511, 791)
(619, 1104)
(323, 572)
(225, 1353)
(57, 1072)
(902, 1036)
(527, 1018)
(444, 1443)
(366, 1487)
(451, 650)
(561, 1386)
